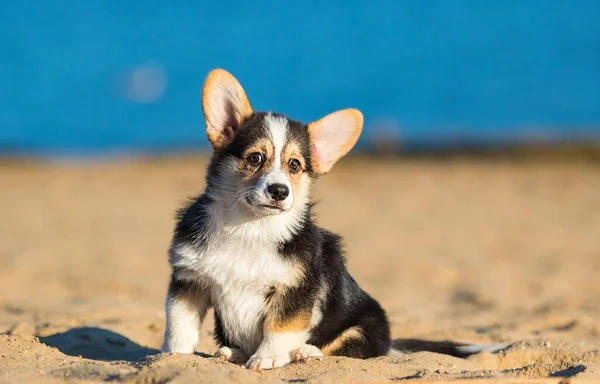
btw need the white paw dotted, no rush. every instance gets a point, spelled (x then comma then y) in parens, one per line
(267, 362)
(232, 355)
(307, 352)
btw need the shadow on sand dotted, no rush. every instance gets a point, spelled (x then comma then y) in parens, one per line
(97, 344)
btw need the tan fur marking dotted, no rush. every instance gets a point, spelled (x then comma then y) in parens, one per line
(276, 302)
(291, 151)
(298, 322)
(250, 172)
(265, 148)
(262, 146)
(353, 333)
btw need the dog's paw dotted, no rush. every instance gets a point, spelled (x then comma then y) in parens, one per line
(258, 362)
(307, 352)
(232, 355)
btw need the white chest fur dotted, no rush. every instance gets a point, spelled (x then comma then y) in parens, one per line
(237, 275)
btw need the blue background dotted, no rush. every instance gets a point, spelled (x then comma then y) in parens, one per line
(485, 70)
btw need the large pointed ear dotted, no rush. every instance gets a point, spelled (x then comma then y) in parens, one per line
(225, 107)
(332, 137)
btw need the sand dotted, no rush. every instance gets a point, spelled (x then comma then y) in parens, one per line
(468, 250)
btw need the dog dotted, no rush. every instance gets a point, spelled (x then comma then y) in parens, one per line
(249, 247)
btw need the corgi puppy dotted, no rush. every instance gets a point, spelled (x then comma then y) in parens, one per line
(249, 247)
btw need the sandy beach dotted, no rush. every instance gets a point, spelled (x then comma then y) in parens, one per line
(476, 251)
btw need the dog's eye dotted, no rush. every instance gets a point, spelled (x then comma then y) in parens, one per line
(255, 158)
(294, 165)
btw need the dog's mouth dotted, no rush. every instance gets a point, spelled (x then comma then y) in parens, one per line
(267, 207)
(272, 207)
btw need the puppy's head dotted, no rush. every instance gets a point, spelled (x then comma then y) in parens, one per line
(265, 161)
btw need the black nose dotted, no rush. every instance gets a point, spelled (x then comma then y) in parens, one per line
(278, 191)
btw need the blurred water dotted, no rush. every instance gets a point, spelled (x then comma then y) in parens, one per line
(79, 76)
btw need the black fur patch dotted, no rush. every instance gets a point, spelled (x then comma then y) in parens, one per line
(191, 222)
(179, 287)
(220, 336)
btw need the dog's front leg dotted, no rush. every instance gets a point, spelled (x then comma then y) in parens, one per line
(186, 307)
(284, 341)
(276, 349)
